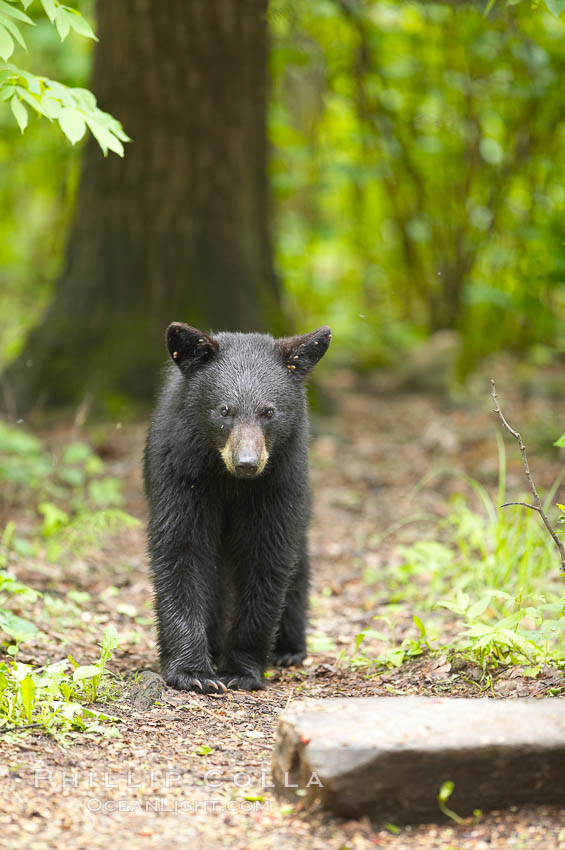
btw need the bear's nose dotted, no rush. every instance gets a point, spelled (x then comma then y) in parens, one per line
(247, 465)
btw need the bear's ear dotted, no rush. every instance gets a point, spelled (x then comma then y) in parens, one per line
(189, 347)
(301, 353)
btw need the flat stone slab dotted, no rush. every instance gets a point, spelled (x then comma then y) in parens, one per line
(388, 757)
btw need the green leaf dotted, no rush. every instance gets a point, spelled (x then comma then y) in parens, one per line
(359, 639)
(479, 607)
(71, 475)
(53, 518)
(419, 625)
(50, 9)
(20, 112)
(6, 44)
(6, 92)
(105, 138)
(111, 640)
(445, 792)
(27, 689)
(105, 492)
(81, 25)
(7, 9)
(62, 22)
(126, 609)
(555, 6)
(16, 627)
(85, 99)
(72, 124)
(13, 29)
(33, 82)
(33, 101)
(51, 107)
(561, 441)
(76, 452)
(88, 671)
(393, 828)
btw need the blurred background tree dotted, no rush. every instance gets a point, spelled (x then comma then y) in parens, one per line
(180, 226)
(416, 159)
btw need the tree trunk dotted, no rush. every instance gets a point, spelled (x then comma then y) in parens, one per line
(179, 229)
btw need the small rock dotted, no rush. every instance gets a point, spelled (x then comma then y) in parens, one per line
(146, 690)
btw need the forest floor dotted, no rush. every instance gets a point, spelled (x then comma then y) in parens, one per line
(196, 768)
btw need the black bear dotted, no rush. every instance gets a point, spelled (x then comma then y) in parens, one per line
(227, 484)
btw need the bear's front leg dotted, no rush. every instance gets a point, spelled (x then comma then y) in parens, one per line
(290, 645)
(185, 582)
(263, 582)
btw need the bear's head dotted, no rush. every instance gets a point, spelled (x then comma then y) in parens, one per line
(247, 390)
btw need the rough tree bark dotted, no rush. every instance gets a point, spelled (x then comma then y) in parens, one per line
(179, 229)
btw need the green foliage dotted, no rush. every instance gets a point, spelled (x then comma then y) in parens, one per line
(481, 552)
(417, 154)
(74, 480)
(504, 640)
(82, 533)
(418, 160)
(76, 477)
(89, 676)
(74, 109)
(23, 462)
(17, 628)
(394, 655)
(54, 698)
(320, 642)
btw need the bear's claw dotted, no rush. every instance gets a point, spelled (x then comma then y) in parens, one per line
(185, 681)
(244, 683)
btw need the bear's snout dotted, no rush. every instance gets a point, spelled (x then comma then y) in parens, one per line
(245, 453)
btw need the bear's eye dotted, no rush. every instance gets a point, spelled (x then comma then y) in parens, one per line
(224, 410)
(269, 412)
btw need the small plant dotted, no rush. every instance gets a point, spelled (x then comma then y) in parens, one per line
(474, 554)
(53, 698)
(443, 796)
(80, 533)
(393, 655)
(502, 640)
(89, 676)
(79, 506)
(15, 627)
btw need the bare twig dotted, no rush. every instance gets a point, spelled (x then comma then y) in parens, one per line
(5, 729)
(538, 504)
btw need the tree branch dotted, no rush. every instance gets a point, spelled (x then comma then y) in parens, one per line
(538, 505)
(523, 504)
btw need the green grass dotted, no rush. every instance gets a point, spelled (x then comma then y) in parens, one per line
(486, 584)
(67, 506)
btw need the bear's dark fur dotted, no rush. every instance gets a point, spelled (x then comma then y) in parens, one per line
(227, 484)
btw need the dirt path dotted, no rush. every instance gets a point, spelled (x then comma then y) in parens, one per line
(197, 768)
